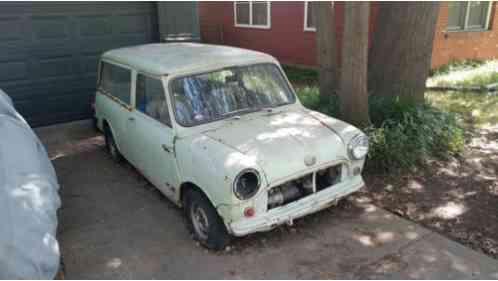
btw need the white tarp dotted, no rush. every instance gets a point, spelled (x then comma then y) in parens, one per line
(29, 201)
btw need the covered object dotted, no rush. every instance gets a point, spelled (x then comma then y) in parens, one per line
(28, 201)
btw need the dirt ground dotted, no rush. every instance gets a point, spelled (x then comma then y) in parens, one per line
(457, 197)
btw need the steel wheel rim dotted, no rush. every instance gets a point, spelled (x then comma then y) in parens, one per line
(199, 221)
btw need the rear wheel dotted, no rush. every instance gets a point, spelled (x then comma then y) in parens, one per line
(203, 221)
(111, 145)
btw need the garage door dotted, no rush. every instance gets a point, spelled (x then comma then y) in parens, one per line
(49, 52)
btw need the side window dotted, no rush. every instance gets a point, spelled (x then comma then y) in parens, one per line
(151, 99)
(116, 80)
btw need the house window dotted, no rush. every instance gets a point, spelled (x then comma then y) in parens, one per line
(471, 15)
(252, 14)
(309, 16)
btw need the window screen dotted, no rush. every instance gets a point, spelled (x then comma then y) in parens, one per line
(252, 13)
(151, 99)
(456, 14)
(116, 81)
(310, 15)
(478, 11)
(259, 13)
(242, 10)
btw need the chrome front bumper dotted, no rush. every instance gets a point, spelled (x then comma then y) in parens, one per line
(300, 208)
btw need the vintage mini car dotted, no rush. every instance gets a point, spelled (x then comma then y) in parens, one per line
(220, 131)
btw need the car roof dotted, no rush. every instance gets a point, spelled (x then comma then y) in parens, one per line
(171, 58)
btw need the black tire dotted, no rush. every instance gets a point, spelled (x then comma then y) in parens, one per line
(215, 236)
(111, 146)
(95, 124)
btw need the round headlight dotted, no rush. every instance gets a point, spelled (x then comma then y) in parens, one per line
(246, 184)
(358, 147)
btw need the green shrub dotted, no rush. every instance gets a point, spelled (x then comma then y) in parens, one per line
(409, 137)
(301, 75)
(402, 134)
(310, 98)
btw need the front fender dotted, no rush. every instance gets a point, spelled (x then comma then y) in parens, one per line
(212, 166)
(345, 131)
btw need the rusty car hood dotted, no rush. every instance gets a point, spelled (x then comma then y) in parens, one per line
(281, 142)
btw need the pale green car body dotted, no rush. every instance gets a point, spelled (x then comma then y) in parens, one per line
(211, 155)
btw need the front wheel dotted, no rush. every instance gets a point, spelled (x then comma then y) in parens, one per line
(203, 221)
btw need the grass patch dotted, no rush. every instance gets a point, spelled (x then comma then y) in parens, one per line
(476, 109)
(456, 65)
(402, 135)
(301, 75)
(477, 80)
(480, 76)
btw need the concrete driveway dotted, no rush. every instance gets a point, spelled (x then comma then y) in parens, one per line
(114, 225)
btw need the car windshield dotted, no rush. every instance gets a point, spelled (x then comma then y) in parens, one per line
(228, 92)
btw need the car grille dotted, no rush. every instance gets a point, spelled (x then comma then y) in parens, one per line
(306, 185)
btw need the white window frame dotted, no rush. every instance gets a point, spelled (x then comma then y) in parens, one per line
(251, 25)
(466, 27)
(306, 27)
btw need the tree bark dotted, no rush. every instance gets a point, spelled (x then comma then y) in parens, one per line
(400, 56)
(326, 48)
(353, 90)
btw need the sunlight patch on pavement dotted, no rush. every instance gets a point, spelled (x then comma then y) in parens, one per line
(114, 263)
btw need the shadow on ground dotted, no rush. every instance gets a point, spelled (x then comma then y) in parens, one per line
(458, 197)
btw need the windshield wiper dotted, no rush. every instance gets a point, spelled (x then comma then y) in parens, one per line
(239, 111)
(279, 104)
(236, 113)
(271, 108)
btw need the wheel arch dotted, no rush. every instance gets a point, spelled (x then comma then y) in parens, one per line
(188, 185)
(106, 125)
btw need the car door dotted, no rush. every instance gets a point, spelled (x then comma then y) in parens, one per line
(114, 100)
(151, 137)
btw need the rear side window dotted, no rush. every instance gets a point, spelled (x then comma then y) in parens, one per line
(116, 80)
(151, 99)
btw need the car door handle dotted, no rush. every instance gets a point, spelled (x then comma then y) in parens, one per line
(166, 148)
(131, 119)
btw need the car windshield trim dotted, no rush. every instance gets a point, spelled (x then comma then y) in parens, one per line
(230, 115)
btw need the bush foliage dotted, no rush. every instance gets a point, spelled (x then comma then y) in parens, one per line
(402, 134)
(301, 75)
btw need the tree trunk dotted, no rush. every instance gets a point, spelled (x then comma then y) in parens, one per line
(400, 57)
(353, 89)
(325, 47)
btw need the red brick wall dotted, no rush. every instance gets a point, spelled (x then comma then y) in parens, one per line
(466, 44)
(288, 42)
(285, 39)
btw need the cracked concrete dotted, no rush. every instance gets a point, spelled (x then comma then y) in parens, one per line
(114, 225)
